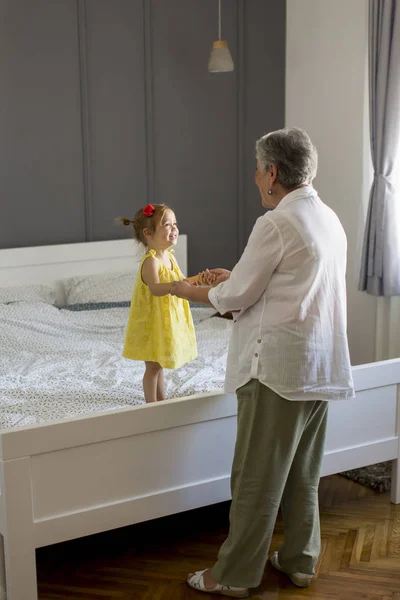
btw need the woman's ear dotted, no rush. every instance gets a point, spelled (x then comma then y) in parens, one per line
(273, 173)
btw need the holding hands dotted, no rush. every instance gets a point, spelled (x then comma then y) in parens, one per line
(209, 277)
(213, 277)
(195, 288)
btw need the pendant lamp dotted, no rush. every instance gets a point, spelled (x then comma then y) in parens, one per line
(220, 58)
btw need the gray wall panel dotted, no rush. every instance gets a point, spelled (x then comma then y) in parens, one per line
(116, 113)
(264, 89)
(107, 105)
(40, 148)
(195, 128)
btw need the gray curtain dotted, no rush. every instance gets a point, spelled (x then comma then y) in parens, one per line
(380, 268)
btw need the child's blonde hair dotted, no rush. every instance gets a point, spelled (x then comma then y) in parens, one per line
(146, 218)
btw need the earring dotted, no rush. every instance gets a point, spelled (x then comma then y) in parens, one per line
(269, 192)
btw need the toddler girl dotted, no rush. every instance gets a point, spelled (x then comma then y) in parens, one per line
(160, 329)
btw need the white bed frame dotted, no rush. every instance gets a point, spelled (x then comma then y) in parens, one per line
(81, 476)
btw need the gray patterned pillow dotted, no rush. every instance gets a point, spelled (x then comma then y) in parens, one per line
(27, 293)
(104, 287)
(96, 306)
(200, 312)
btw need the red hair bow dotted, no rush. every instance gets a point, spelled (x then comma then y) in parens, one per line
(148, 210)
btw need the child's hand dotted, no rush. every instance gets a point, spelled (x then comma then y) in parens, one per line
(192, 280)
(214, 277)
(207, 278)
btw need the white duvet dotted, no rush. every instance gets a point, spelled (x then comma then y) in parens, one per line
(57, 363)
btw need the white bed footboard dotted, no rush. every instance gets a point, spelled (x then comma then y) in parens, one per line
(81, 476)
(365, 430)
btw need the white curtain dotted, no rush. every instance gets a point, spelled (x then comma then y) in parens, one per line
(380, 268)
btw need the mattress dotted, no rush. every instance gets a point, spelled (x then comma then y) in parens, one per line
(57, 363)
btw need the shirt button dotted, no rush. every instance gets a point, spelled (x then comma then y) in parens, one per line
(258, 341)
(256, 354)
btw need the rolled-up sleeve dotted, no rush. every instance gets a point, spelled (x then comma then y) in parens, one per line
(253, 272)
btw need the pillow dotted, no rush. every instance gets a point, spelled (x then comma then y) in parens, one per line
(27, 293)
(104, 287)
(200, 312)
(96, 306)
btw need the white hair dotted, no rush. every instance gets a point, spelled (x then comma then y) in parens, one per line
(293, 154)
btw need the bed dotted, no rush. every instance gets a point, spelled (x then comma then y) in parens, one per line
(68, 472)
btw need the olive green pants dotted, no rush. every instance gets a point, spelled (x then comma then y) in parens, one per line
(278, 455)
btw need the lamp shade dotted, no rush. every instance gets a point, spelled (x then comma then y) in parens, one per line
(220, 58)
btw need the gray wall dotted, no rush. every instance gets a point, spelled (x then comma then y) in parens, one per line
(107, 105)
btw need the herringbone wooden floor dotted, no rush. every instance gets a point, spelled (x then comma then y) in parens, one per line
(360, 558)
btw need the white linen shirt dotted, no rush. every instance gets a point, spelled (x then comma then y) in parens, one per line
(288, 291)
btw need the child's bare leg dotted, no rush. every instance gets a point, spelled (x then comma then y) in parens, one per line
(150, 380)
(160, 386)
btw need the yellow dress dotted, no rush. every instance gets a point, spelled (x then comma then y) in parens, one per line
(160, 328)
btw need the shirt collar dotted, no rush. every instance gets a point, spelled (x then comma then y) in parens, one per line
(304, 192)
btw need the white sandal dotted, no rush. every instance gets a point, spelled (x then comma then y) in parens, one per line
(300, 579)
(196, 581)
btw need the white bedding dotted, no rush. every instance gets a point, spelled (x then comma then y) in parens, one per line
(56, 363)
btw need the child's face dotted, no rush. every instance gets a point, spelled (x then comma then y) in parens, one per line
(166, 233)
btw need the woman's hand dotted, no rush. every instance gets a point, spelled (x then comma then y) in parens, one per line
(181, 289)
(213, 277)
(207, 278)
(220, 275)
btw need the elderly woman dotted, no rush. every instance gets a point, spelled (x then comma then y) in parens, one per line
(288, 357)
